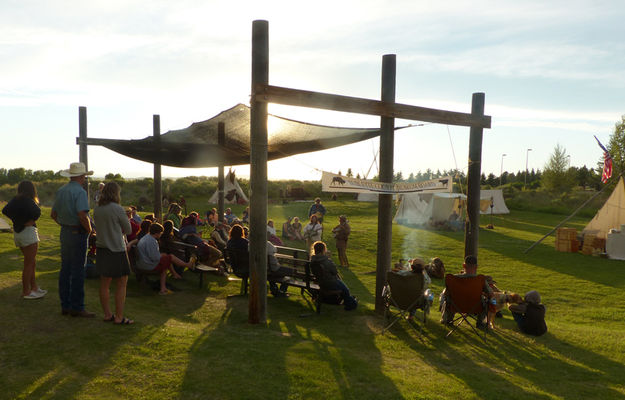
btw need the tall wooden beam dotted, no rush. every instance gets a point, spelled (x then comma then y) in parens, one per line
(82, 143)
(257, 313)
(326, 101)
(221, 141)
(158, 179)
(472, 224)
(385, 203)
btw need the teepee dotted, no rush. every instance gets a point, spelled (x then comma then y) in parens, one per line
(611, 215)
(233, 194)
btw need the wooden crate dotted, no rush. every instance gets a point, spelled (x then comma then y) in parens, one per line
(566, 234)
(567, 246)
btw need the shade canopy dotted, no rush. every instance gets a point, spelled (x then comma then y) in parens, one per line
(197, 147)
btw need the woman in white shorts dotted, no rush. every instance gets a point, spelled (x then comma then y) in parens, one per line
(24, 210)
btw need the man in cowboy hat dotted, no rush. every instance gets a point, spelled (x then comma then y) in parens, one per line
(71, 211)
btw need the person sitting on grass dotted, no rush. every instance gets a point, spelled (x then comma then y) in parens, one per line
(327, 275)
(151, 259)
(530, 314)
(297, 229)
(287, 229)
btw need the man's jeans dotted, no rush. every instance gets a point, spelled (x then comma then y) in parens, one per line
(72, 275)
(349, 302)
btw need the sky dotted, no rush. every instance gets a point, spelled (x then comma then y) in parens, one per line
(552, 73)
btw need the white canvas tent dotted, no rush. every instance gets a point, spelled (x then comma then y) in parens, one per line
(433, 208)
(611, 215)
(423, 208)
(233, 194)
(4, 225)
(499, 205)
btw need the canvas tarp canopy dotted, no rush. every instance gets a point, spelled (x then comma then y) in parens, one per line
(197, 146)
(426, 208)
(233, 194)
(498, 203)
(611, 215)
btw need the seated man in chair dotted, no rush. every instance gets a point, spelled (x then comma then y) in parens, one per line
(327, 275)
(469, 270)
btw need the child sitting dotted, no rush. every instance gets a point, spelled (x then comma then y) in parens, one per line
(530, 314)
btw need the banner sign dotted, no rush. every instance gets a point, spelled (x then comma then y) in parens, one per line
(339, 183)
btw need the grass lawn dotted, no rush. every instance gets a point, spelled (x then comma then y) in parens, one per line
(197, 344)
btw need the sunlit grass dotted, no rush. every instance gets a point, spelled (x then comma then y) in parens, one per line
(197, 344)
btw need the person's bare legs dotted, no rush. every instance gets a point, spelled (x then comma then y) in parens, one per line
(164, 281)
(120, 297)
(176, 261)
(28, 274)
(105, 283)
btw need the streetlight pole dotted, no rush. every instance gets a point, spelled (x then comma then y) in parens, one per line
(501, 171)
(527, 153)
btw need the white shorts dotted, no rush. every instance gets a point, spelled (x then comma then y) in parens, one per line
(26, 237)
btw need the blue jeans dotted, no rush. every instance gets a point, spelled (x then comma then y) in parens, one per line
(72, 275)
(349, 301)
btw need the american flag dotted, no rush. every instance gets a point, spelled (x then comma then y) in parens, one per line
(607, 163)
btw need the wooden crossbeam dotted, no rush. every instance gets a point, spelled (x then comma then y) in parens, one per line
(304, 98)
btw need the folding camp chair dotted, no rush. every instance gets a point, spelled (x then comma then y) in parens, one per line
(464, 296)
(406, 294)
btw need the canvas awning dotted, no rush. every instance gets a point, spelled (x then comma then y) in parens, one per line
(197, 147)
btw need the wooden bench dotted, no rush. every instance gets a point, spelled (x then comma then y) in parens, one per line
(302, 277)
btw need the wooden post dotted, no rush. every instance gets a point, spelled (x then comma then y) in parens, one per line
(258, 177)
(158, 179)
(221, 140)
(385, 204)
(82, 144)
(472, 224)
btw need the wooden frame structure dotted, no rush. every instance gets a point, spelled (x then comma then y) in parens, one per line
(388, 110)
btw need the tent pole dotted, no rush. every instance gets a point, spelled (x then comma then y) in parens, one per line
(82, 144)
(565, 220)
(221, 141)
(472, 225)
(385, 203)
(257, 312)
(158, 179)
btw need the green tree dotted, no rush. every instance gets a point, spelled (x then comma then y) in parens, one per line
(557, 177)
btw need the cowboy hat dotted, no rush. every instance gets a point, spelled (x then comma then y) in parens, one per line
(76, 169)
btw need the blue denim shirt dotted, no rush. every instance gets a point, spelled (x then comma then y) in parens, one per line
(70, 199)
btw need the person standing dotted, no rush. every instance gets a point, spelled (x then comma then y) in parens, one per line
(341, 234)
(24, 210)
(313, 232)
(111, 257)
(71, 211)
(317, 209)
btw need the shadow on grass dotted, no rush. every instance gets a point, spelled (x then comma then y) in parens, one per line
(46, 355)
(511, 365)
(335, 350)
(577, 265)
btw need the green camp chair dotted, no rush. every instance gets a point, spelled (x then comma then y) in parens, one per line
(404, 294)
